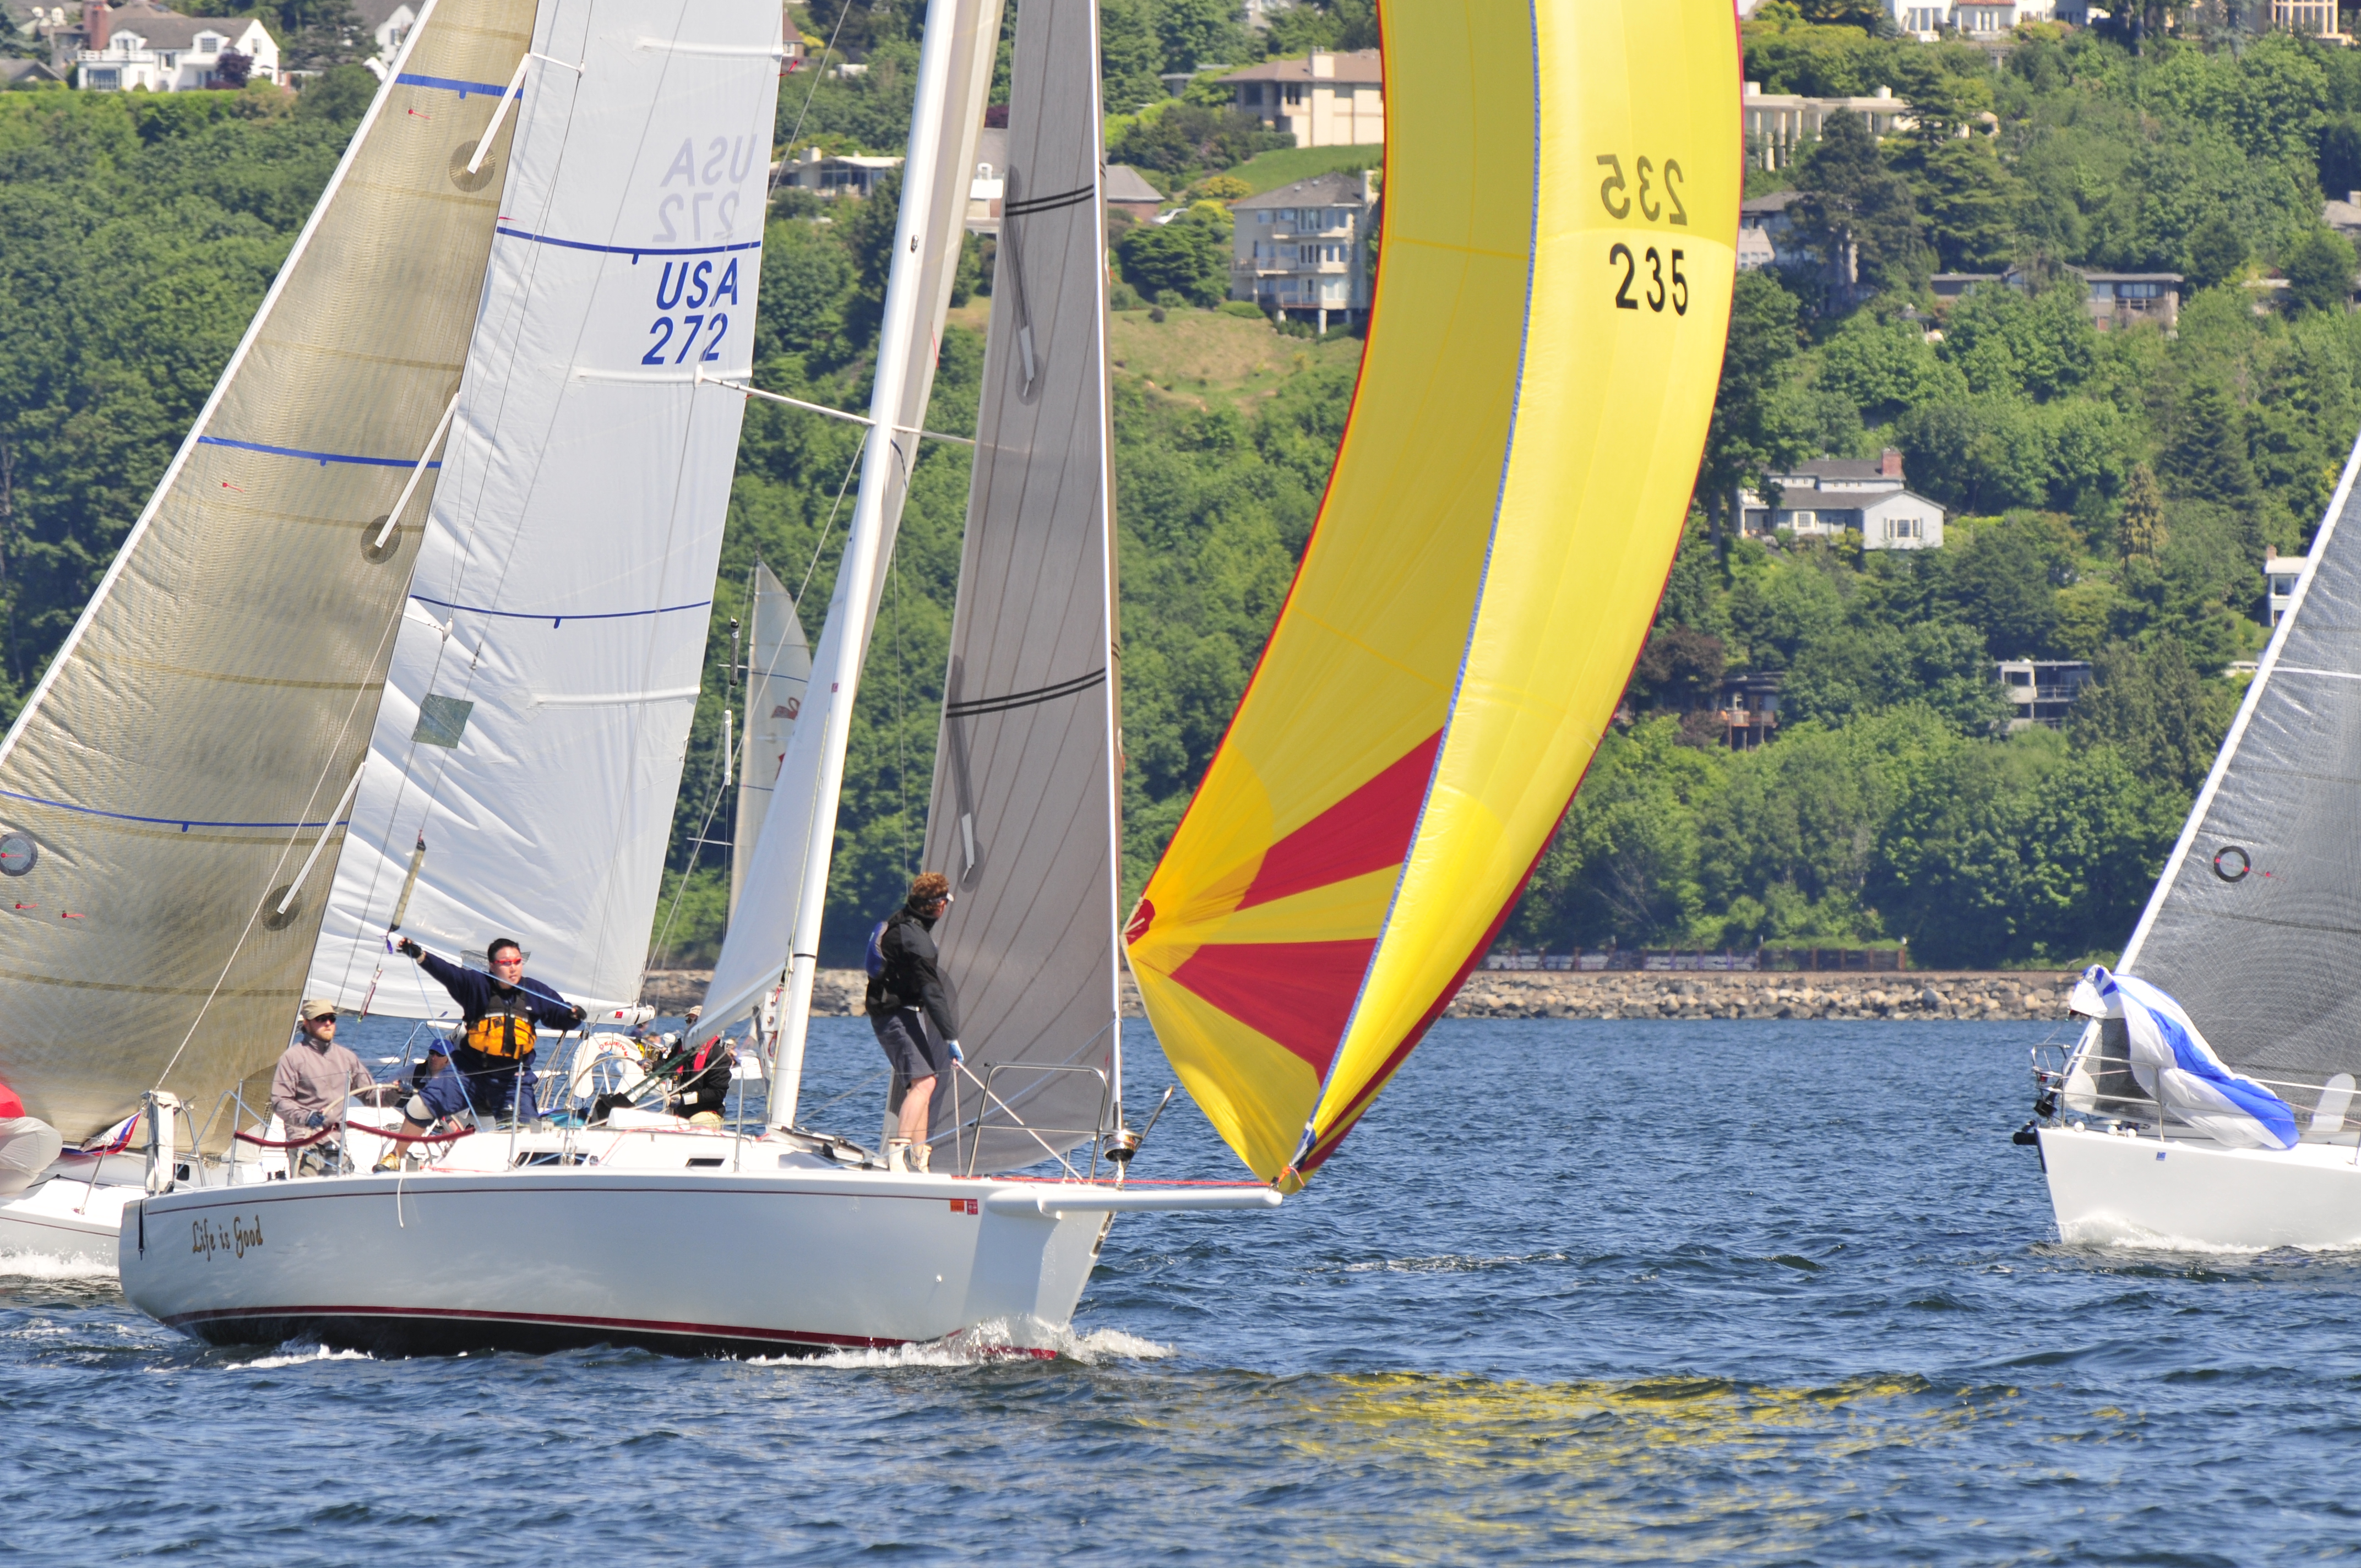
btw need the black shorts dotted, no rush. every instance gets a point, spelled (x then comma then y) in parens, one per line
(913, 1051)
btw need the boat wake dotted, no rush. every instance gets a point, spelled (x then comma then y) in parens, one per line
(47, 1266)
(2115, 1236)
(299, 1356)
(993, 1342)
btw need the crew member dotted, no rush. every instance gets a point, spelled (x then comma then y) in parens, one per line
(501, 1014)
(315, 1074)
(705, 1082)
(905, 992)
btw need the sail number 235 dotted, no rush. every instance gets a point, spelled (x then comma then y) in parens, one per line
(1656, 196)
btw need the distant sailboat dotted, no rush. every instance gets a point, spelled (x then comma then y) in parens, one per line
(778, 678)
(2221, 1113)
(173, 793)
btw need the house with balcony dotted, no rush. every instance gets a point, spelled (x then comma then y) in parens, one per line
(2119, 300)
(2041, 691)
(1823, 498)
(849, 174)
(1304, 247)
(1323, 100)
(139, 46)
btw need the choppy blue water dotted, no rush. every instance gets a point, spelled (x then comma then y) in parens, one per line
(1613, 1292)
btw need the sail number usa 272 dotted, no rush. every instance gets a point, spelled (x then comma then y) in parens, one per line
(1651, 276)
(701, 326)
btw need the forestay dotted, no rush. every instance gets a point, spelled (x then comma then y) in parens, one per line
(1024, 811)
(1561, 209)
(778, 671)
(2256, 923)
(194, 740)
(534, 726)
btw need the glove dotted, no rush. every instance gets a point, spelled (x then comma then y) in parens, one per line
(958, 1055)
(580, 1017)
(409, 949)
(319, 1118)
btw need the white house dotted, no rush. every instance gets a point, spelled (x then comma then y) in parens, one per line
(1924, 19)
(388, 23)
(2284, 573)
(1304, 246)
(1821, 499)
(141, 46)
(1778, 126)
(855, 174)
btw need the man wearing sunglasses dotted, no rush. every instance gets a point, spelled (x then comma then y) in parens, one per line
(501, 1014)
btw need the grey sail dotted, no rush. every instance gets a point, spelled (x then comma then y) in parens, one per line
(2256, 923)
(173, 777)
(778, 671)
(1023, 816)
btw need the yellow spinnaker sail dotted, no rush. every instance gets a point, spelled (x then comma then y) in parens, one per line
(1561, 215)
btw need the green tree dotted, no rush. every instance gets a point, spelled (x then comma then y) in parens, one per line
(2155, 711)
(1856, 212)
(2140, 533)
(2319, 269)
(2206, 457)
(1189, 257)
(1751, 434)
(2216, 251)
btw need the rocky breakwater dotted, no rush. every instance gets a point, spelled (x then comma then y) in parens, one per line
(1515, 993)
(835, 993)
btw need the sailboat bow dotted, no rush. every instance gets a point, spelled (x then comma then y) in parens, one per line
(1558, 251)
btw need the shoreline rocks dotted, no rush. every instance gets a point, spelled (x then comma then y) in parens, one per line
(2013, 994)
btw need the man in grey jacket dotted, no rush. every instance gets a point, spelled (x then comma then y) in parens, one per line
(315, 1076)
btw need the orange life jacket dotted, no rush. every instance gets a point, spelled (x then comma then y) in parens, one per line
(508, 1034)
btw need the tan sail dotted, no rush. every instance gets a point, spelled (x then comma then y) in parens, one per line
(163, 794)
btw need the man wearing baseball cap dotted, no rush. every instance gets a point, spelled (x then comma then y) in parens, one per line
(313, 1077)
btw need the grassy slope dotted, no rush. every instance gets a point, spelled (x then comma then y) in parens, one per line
(1270, 170)
(1199, 356)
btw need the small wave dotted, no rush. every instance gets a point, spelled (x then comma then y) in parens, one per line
(49, 1266)
(298, 1358)
(1445, 1263)
(989, 1343)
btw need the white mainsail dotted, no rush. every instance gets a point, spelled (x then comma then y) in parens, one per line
(167, 792)
(774, 936)
(1024, 814)
(536, 720)
(778, 673)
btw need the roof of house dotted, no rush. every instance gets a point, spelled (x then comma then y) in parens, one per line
(1776, 201)
(2131, 277)
(13, 72)
(2340, 215)
(1835, 469)
(1321, 189)
(1360, 65)
(375, 14)
(169, 29)
(1125, 183)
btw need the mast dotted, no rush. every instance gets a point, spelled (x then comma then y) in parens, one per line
(954, 65)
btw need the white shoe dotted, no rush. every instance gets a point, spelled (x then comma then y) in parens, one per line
(897, 1156)
(921, 1156)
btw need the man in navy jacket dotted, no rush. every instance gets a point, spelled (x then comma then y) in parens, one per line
(501, 1017)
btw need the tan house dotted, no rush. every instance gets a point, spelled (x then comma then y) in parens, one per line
(1777, 127)
(1304, 247)
(1326, 100)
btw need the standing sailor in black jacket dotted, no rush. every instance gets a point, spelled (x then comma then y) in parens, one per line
(499, 1013)
(902, 980)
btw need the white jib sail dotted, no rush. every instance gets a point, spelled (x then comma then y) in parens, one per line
(186, 754)
(536, 720)
(778, 673)
(774, 934)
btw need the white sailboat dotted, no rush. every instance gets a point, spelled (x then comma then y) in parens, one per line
(534, 1237)
(1504, 506)
(778, 678)
(173, 790)
(2221, 1112)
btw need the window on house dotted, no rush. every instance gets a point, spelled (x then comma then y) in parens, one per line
(1287, 214)
(107, 81)
(209, 43)
(1263, 218)
(2138, 291)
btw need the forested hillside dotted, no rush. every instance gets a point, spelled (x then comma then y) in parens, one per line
(2112, 495)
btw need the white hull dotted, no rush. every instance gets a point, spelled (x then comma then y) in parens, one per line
(64, 1219)
(2109, 1188)
(783, 1254)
